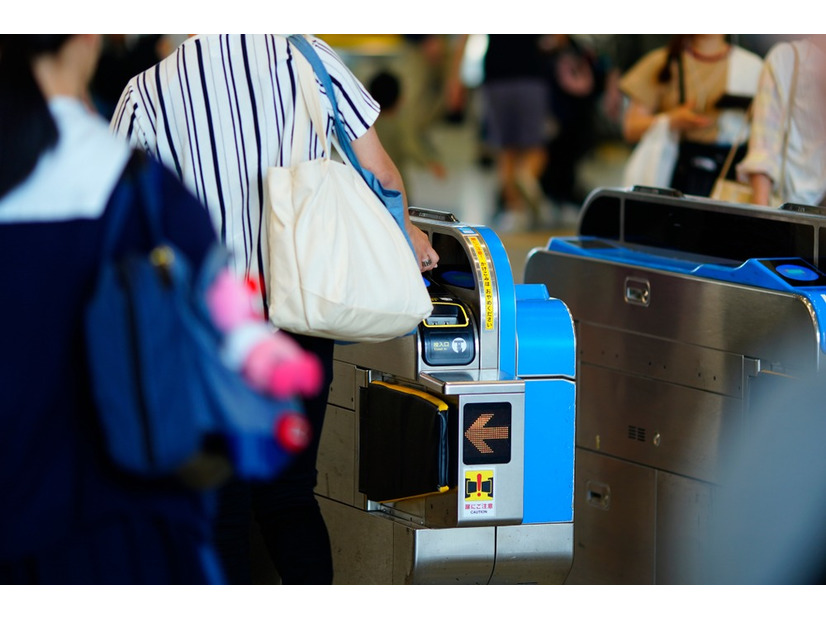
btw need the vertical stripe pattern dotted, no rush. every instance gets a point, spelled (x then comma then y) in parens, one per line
(219, 111)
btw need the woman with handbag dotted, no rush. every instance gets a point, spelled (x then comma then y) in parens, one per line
(786, 159)
(69, 516)
(694, 93)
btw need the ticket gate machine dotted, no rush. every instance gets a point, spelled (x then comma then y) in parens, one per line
(447, 454)
(687, 312)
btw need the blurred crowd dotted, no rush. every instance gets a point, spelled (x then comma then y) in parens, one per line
(541, 105)
(708, 115)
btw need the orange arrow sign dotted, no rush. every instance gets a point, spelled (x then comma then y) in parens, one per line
(478, 433)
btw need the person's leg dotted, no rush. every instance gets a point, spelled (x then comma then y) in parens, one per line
(232, 531)
(507, 164)
(530, 136)
(286, 508)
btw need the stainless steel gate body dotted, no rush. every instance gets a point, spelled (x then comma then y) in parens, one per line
(524, 533)
(670, 359)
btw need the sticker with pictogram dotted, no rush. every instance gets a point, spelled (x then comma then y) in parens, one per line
(479, 498)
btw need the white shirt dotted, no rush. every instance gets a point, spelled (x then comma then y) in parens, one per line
(75, 179)
(803, 178)
(219, 111)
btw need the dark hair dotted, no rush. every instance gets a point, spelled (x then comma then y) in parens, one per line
(676, 45)
(385, 89)
(27, 129)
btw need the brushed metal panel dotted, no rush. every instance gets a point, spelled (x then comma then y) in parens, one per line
(684, 513)
(614, 521)
(654, 423)
(774, 326)
(456, 556)
(399, 356)
(540, 553)
(337, 456)
(711, 370)
(362, 545)
(343, 385)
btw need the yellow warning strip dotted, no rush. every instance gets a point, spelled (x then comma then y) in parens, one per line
(442, 405)
(407, 497)
(486, 282)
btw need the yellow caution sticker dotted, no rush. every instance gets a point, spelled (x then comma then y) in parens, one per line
(487, 287)
(479, 494)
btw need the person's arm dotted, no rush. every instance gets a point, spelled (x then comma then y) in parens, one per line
(761, 187)
(638, 118)
(760, 168)
(373, 157)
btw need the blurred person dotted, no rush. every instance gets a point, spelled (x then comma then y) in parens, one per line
(515, 110)
(219, 111)
(123, 56)
(404, 142)
(577, 81)
(69, 516)
(686, 82)
(423, 65)
(793, 168)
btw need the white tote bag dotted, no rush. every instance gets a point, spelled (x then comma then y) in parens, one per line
(339, 265)
(653, 159)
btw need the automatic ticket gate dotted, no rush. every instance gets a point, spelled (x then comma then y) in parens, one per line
(447, 455)
(687, 313)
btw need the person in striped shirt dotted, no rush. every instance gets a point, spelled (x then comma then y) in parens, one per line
(219, 111)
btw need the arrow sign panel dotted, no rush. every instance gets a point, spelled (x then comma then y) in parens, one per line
(487, 433)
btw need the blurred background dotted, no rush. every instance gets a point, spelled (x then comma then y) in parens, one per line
(442, 152)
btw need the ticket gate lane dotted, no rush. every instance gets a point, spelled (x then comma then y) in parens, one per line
(496, 520)
(680, 333)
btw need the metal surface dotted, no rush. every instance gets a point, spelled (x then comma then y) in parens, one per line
(684, 309)
(668, 365)
(474, 531)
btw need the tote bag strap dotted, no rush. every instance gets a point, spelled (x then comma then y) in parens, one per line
(308, 91)
(307, 50)
(735, 145)
(391, 198)
(308, 88)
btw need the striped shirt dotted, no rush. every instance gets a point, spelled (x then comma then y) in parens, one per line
(219, 111)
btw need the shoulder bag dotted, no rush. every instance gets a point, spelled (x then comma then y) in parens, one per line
(652, 161)
(340, 265)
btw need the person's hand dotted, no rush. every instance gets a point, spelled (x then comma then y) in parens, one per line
(428, 258)
(684, 118)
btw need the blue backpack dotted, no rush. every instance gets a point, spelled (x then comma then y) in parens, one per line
(167, 402)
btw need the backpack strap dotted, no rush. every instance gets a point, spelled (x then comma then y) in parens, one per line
(141, 177)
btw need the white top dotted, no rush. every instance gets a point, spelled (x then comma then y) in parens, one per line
(75, 179)
(219, 111)
(804, 177)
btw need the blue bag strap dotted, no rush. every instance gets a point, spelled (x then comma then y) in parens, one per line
(143, 176)
(391, 198)
(308, 51)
